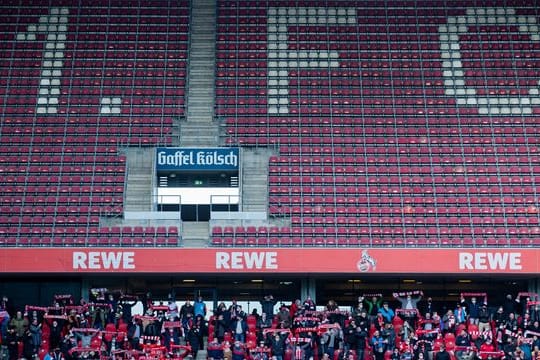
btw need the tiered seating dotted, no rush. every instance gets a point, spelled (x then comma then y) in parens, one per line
(77, 83)
(135, 236)
(401, 123)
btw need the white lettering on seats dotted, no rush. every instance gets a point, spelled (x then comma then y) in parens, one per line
(453, 70)
(490, 261)
(281, 57)
(54, 26)
(239, 260)
(103, 260)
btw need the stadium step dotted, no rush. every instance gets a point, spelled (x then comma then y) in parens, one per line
(138, 196)
(196, 129)
(201, 355)
(195, 234)
(200, 96)
(255, 179)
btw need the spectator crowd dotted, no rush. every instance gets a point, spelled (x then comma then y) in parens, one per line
(406, 326)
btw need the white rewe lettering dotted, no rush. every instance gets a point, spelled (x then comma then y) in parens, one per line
(222, 260)
(515, 261)
(236, 260)
(79, 260)
(255, 260)
(490, 261)
(271, 260)
(104, 260)
(497, 260)
(239, 260)
(111, 260)
(93, 260)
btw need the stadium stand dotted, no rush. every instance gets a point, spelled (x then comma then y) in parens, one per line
(79, 83)
(397, 123)
(401, 123)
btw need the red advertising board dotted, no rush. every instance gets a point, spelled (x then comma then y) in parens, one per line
(269, 260)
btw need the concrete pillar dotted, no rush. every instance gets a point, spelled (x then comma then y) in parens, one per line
(534, 285)
(85, 289)
(308, 287)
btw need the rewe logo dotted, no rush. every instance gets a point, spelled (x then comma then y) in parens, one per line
(490, 261)
(239, 260)
(103, 260)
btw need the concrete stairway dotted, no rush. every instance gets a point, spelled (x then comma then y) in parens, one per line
(255, 179)
(195, 234)
(200, 129)
(140, 164)
(198, 134)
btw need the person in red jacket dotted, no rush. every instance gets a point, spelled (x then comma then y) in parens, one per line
(486, 349)
(295, 308)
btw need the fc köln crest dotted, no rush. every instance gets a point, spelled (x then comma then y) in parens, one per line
(366, 263)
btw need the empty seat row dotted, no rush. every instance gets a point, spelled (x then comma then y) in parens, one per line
(92, 241)
(137, 231)
(365, 241)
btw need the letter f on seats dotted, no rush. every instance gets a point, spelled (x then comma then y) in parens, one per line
(281, 59)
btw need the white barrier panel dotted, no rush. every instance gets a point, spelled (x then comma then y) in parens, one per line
(240, 215)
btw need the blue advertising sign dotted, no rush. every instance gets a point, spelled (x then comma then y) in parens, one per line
(189, 159)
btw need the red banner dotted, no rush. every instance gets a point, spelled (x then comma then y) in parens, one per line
(269, 260)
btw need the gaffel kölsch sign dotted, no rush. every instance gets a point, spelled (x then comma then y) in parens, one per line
(197, 159)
